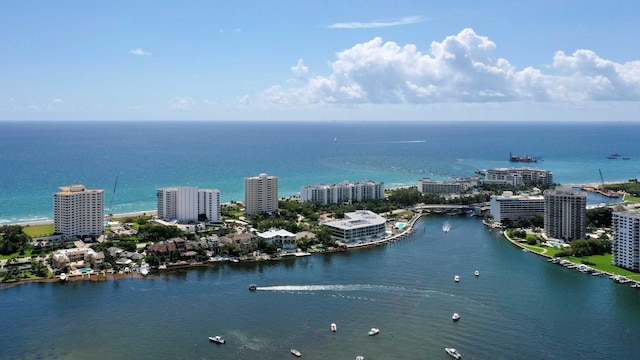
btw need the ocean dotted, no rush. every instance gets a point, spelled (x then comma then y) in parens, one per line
(38, 157)
(520, 307)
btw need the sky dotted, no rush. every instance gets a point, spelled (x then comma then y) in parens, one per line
(440, 60)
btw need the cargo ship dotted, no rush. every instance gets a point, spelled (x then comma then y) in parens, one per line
(526, 158)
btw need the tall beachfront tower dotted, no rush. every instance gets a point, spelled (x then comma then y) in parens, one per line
(187, 203)
(260, 194)
(78, 211)
(626, 240)
(565, 214)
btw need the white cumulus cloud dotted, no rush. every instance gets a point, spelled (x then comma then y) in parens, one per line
(139, 52)
(181, 103)
(460, 68)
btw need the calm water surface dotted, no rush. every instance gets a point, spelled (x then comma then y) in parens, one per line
(520, 307)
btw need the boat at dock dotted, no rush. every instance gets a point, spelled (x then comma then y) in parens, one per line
(63, 277)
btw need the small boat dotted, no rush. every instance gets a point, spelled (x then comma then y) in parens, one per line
(144, 269)
(359, 357)
(476, 273)
(334, 327)
(374, 331)
(63, 276)
(296, 352)
(456, 278)
(453, 353)
(253, 287)
(455, 317)
(216, 339)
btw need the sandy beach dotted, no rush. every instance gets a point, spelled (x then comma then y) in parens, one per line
(115, 216)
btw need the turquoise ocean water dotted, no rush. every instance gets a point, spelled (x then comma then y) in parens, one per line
(520, 307)
(38, 157)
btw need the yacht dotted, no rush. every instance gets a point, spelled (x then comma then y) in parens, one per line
(296, 352)
(453, 353)
(456, 278)
(455, 317)
(374, 331)
(216, 339)
(334, 327)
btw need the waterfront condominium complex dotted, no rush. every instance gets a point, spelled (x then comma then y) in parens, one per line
(513, 207)
(343, 192)
(565, 214)
(187, 204)
(518, 176)
(429, 186)
(78, 211)
(358, 227)
(260, 194)
(626, 240)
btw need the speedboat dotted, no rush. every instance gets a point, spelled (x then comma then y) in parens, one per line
(456, 278)
(296, 352)
(374, 331)
(144, 269)
(455, 317)
(453, 353)
(476, 273)
(253, 287)
(216, 339)
(334, 327)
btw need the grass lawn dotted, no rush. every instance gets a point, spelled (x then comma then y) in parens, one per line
(38, 230)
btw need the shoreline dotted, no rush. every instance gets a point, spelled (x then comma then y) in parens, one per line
(47, 222)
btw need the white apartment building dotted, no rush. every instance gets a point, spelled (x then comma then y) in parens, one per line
(281, 238)
(429, 186)
(260, 194)
(518, 176)
(78, 211)
(358, 227)
(565, 214)
(343, 192)
(513, 207)
(626, 240)
(185, 204)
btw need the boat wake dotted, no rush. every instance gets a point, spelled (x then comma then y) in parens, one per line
(446, 227)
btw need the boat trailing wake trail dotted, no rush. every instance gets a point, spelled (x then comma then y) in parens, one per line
(355, 287)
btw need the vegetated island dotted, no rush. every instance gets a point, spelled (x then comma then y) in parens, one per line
(134, 240)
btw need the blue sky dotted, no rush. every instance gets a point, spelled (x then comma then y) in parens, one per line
(320, 60)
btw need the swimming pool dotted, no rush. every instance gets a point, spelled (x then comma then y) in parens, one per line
(400, 225)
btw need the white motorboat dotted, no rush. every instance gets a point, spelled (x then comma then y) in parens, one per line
(296, 352)
(144, 269)
(216, 339)
(253, 287)
(476, 273)
(374, 331)
(455, 317)
(63, 277)
(456, 278)
(334, 327)
(453, 353)
(359, 357)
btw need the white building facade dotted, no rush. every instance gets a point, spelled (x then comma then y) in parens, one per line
(358, 227)
(565, 214)
(78, 211)
(518, 176)
(513, 207)
(626, 240)
(343, 192)
(186, 204)
(429, 186)
(260, 194)
(281, 238)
